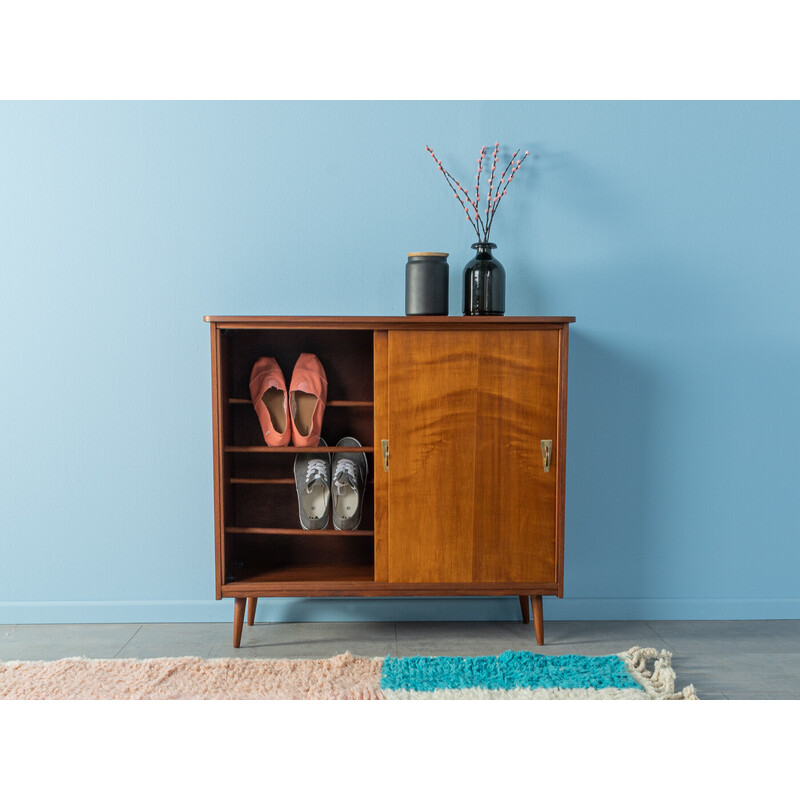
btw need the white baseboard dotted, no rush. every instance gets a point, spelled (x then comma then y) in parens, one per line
(494, 609)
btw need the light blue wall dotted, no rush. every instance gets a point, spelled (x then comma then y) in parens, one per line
(670, 230)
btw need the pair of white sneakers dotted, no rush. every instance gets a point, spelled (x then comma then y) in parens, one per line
(331, 487)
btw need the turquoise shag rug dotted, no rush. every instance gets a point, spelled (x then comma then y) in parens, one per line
(637, 674)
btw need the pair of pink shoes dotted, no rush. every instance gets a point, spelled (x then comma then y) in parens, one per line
(295, 415)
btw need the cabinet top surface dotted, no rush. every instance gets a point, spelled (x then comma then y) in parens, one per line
(385, 322)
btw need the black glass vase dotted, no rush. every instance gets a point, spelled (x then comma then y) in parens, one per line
(484, 283)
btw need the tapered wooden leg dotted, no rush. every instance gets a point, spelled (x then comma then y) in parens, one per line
(238, 619)
(251, 610)
(525, 604)
(538, 618)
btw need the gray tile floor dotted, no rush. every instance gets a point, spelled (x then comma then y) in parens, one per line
(730, 659)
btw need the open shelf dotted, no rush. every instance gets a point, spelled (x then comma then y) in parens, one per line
(271, 481)
(262, 555)
(299, 531)
(340, 419)
(261, 540)
(328, 404)
(296, 450)
(306, 573)
(264, 500)
(346, 355)
(274, 466)
(263, 481)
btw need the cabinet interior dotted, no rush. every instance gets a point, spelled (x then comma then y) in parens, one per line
(263, 540)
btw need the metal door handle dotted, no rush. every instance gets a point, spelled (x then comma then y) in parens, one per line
(547, 452)
(385, 448)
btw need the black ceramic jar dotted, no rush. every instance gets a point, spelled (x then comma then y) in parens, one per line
(427, 284)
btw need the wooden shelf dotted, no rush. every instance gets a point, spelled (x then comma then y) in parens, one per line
(297, 450)
(354, 581)
(262, 481)
(329, 404)
(299, 531)
(270, 481)
(308, 573)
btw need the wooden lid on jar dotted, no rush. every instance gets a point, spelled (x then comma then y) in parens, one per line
(438, 255)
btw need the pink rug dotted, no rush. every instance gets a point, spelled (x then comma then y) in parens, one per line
(343, 677)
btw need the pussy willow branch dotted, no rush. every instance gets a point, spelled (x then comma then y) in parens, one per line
(447, 177)
(488, 224)
(503, 178)
(478, 185)
(473, 204)
(500, 194)
(494, 194)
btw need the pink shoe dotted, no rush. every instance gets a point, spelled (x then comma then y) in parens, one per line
(308, 392)
(268, 393)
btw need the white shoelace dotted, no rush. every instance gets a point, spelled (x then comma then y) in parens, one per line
(345, 474)
(317, 470)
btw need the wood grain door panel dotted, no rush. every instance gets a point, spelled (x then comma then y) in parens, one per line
(468, 497)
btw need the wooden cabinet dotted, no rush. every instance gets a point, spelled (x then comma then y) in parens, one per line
(463, 421)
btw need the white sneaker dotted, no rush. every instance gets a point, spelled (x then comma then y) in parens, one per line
(347, 486)
(312, 481)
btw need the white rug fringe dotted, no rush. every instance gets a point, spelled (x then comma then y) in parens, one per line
(659, 680)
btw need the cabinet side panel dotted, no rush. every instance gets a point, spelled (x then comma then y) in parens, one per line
(432, 407)
(561, 453)
(514, 531)
(380, 476)
(218, 416)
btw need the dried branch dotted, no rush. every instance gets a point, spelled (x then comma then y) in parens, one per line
(494, 195)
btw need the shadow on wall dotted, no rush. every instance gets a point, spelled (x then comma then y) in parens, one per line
(612, 400)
